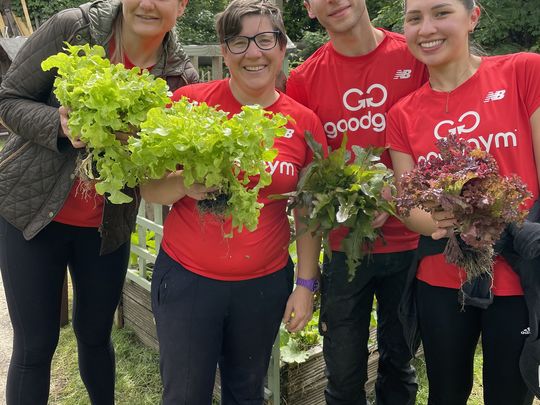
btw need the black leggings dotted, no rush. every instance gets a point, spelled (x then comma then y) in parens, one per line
(202, 322)
(33, 274)
(450, 335)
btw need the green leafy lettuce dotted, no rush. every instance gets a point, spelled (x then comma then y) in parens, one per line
(228, 154)
(340, 193)
(104, 99)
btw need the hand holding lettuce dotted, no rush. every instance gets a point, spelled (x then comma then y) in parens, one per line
(466, 182)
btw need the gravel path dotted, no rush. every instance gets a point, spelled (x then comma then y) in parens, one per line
(5, 342)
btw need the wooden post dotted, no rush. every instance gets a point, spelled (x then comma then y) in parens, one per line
(195, 62)
(13, 30)
(27, 16)
(274, 375)
(217, 67)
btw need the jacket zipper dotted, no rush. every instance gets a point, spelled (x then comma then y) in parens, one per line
(15, 154)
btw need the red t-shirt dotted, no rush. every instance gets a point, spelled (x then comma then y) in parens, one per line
(352, 95)
(197, 241)
(83, 206)
(492, 111)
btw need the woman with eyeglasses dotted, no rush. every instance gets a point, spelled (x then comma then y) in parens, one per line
(220, 300)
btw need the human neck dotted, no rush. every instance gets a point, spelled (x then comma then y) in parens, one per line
(450, 76)
(360, 40)
(264, 98)
(142, 52)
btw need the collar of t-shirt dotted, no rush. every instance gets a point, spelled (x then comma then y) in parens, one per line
(128, 64)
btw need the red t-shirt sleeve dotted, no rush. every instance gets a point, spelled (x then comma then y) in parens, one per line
(396, 133)
(528, 70)
(295, 89)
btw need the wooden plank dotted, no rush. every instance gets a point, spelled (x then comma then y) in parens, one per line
(203, 50)
(27, 16)
(13, 30)
(3, 27)
(217, 68)
(138, 294)
(195, 61)
(21, 25)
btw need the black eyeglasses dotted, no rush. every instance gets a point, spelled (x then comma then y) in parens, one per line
(264, 41)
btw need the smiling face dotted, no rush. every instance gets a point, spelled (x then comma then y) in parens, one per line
(437, 31)
(151, 18)
(253, 72)
(337, 16)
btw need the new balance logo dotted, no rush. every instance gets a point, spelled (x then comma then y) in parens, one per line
(403, 74)
(495, 96)
(526, 331)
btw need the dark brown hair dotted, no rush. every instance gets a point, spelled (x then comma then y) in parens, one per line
(229, 22)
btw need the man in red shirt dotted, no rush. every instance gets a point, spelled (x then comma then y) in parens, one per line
(350, 83)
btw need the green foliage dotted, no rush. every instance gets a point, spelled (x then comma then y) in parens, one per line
(297, 21)
(149, 244)
(197, 25)
(509, 26)
(42, 9)
(310, 42)
(339, 193)
(104, 99)
(137, 372)
(389, 16)
(294, 347)
(227, 154)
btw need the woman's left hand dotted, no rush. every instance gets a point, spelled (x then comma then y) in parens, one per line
(445, 223)
(379, 220)
(299, 309)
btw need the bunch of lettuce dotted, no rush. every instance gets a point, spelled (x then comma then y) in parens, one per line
(337, 192)
(227, 154)
(466, 182)
(104, 99)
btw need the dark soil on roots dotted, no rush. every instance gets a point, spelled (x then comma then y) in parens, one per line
(216, 205)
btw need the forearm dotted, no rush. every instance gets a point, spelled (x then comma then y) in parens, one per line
(420, 221)
(308, 248)
(165, 191)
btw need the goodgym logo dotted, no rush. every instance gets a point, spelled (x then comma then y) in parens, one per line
(495, 96)
(403, 74)
(466, 124)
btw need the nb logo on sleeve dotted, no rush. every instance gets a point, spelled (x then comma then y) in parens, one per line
(403, 74)
(495, 96)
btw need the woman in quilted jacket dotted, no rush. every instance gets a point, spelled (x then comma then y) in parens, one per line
(45, 225)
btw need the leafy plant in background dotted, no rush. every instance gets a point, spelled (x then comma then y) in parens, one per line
(149, 244)
(339, 193)
(294, 347)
